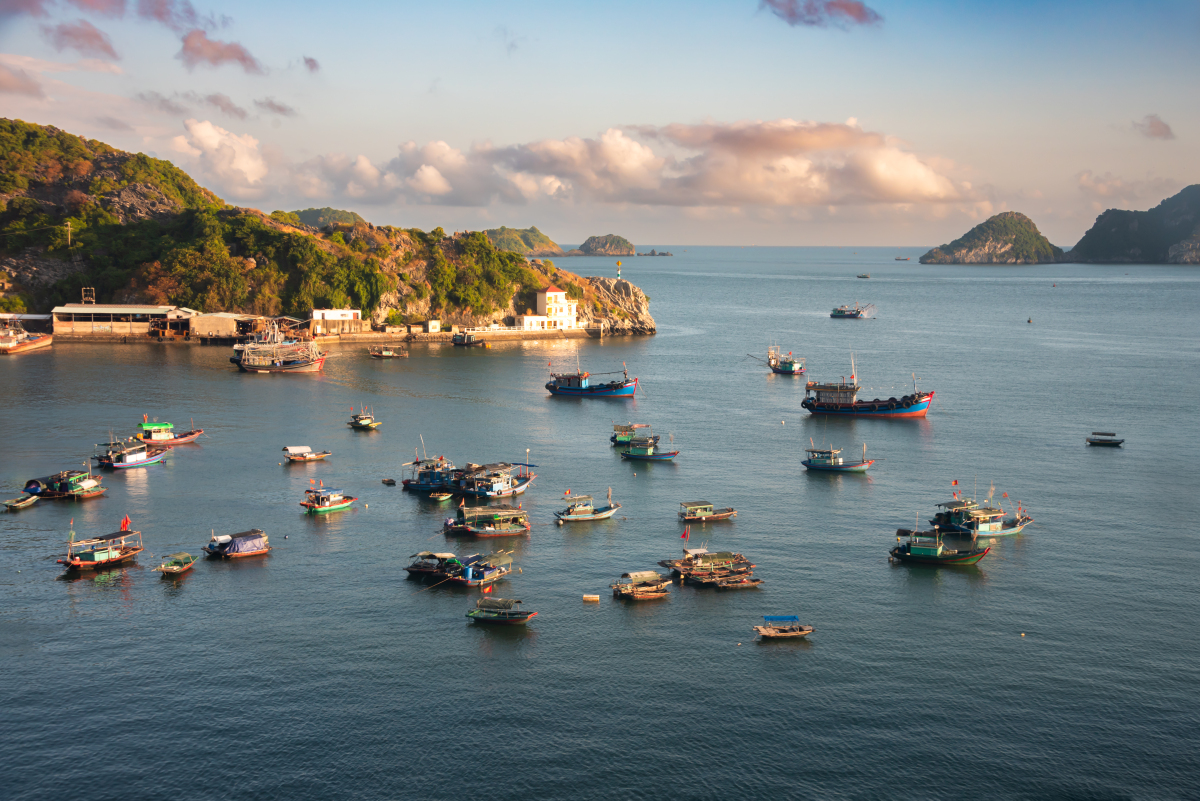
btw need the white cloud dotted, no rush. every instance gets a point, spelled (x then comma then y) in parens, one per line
(234, 159)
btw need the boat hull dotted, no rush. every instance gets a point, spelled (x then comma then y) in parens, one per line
(860, 467)
(314, 366)
(111, 464)
(26, 345)
(314, 509)
(625, 389)
(599, 514)
(79, 565)
(484, 533)
(951, 560)
(1105, 443)
(174, 572)
(501, 619)
(782, 371)
(190, 436)
(365, 426)
(705, 518)
(654, 457)
(308, 457)
(883, 409)
(21, 503)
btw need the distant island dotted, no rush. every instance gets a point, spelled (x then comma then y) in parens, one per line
(607, 245)
(1169, 233)
(1007, 238)
(656, 253)
(526, 241)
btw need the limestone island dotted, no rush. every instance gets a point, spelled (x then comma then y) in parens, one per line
(1007, 238)
(1169, 233)
(607, 245)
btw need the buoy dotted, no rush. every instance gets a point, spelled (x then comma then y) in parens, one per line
(1022, 634)
(782, 423)
(739, 643)
(595, 598)
(1031, 319)
(560, 522)
(285, 536)
(366, 506)
(281, 464)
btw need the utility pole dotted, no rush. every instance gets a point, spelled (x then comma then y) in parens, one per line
(68, 233)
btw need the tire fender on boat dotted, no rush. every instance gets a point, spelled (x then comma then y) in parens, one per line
(907, 402)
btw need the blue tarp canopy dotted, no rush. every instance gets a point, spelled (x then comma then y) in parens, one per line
(247, 543)
(781, 618)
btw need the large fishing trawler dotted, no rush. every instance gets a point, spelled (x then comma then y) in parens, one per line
(841, 398)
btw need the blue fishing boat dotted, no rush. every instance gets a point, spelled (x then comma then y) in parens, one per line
(828, 459)
(480, 569)
(784, 365)
(579, 385)
(927, 548)
(124, 455)
(841, 398)
(645, 449)
(431, 474)
(491, 480)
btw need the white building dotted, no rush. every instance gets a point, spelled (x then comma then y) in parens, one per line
(326, 322)
(554, 312)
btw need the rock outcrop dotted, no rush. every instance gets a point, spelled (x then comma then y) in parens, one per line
(33, 269)
(1007, 238)
(622, 307)
(1169, 233)
(607, 245)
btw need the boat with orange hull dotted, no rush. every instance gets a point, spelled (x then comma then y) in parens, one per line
(841, 399)
(108, 550)
(15, 339)
(176, 564)
(158, 433)
(235, 546)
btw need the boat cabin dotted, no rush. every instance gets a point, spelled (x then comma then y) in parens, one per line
(580, 505)
(641, 446)
(571, 380)
(694, 510)
(431, 473)
(297, 451)
(103, 550)
(489, 479)
(985, 520)
(641, 578)
(324, 496)
(153, 432)
(839, 393)
(124, 452)
(495, 516)
(825, 456)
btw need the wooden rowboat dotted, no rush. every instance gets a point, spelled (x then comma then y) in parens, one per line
(21, 503)
(782, 627)
(439, 497)
(176, 564)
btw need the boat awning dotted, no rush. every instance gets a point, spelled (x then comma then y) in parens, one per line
(496, 603)
(116, 535)
(324, 491)
(296, 450)
(181, 555)
(695, 504)
(497, 559)
(695, 551)
(254, 532)
(781, 619)
(579, 498)
(155, 426)
(955, 505)
(427, 554)
(642, 575)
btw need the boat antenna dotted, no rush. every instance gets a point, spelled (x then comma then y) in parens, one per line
(422, 436)
(610, 496)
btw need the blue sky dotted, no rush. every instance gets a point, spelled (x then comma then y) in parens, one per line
(670, 123)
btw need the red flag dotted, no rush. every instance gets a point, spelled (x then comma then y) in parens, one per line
(312, 481)
(488, 588)
(1005, 494)
(322, 483)
(687, 534)
(954, 483)
(568, 492)
(72, 521)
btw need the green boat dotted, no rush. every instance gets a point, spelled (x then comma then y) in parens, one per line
(21, 503)
(176, 564)
(623, 433)
(499, 611)
(365, 421)
(927, 548)
(322, 500)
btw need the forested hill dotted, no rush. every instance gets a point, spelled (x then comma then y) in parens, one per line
(141, 230)
(1006, 238)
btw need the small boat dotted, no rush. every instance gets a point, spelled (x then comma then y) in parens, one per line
(738, 583)
(784, 365)
(501, 520)
(15, 339)
(364, 421)
(499, 611)
(430, 564)
(778, 627)
(623, 433)
(303, 453)
(106, 551)
(927, 548)
(176, 564)
(236, 546)
(121, 455)
(641, 585)
(902, 258)
(579, 385)
(827, 459)
(467, 341)
(864, 275)
(703, 511)
(163, 433)
(480, 569)
(77, 485)
(841, 398)
(21, 503)
(321, 500)
(387, 352)
(438, 497)
(854, 312)
(582, 508)
(644, 449)
(1104, 439)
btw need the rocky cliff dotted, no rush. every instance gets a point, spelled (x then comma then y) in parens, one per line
(624, 308)
(1169, 233)
(1007, 238)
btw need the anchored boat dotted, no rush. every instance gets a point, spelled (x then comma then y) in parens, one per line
(491, 480)
(854, 312)
(965, 516)
(785, 365)
(303, 453)
(387, 352)
(1104, 439)
(321, 500)
(284, 357)
(236, 546)
(641, 585)
(500, 611)
(481, 569)
(777, 627)
(645, 449)
(624, 433)
(579, 384)
(501, 520)
(15, 339)
(841, 398)
(434, 474)
(828, 459)
(109, 550)
(583, 508)
(430, 564)
(121, 455)
(163, 434)
(21, 503)
(703, 511)
(77, 485)
(364, 421)
(927, 548)
(176, 564)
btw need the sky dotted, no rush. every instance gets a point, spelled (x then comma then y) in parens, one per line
(743, 122)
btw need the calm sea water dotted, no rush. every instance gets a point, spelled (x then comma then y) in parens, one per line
(319, 672)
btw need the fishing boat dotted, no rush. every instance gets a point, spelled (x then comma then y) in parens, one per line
(364, 421)
(902, 258)
(163, 433)
(827, 459)
(623, 433)
(21, 503)
(122, 455)
(864, 275)
(78, 485)
(15, 339)
(969, 518)
(927, 548)
(582, 508)
(500, 611)
(387, 352)
(641, 585)
(236, 546)
(703, 511)
(303, 453)
(578, 384)
(434, 474)
(109, 550)
(841, 398)
(465, 340)
(287, 357)
(784, 365)
(854, 312)
(491, 480)
(176, 564)
(645, 449)
(779, 627)
(320, 500)
(501, 520)
(745, 582)
(1104, 439)
(438, 497)
(481, 569)
(430, 564)
(702, 562)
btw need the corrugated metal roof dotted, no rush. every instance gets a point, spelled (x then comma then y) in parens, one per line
(89, 308)
(7, 316)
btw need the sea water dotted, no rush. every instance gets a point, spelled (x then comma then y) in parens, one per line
(1064, 665)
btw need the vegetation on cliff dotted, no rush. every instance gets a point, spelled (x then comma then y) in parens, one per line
(608, 245)
(526, 241)
(1006, 238)
(1167, 233)
(319, 218)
